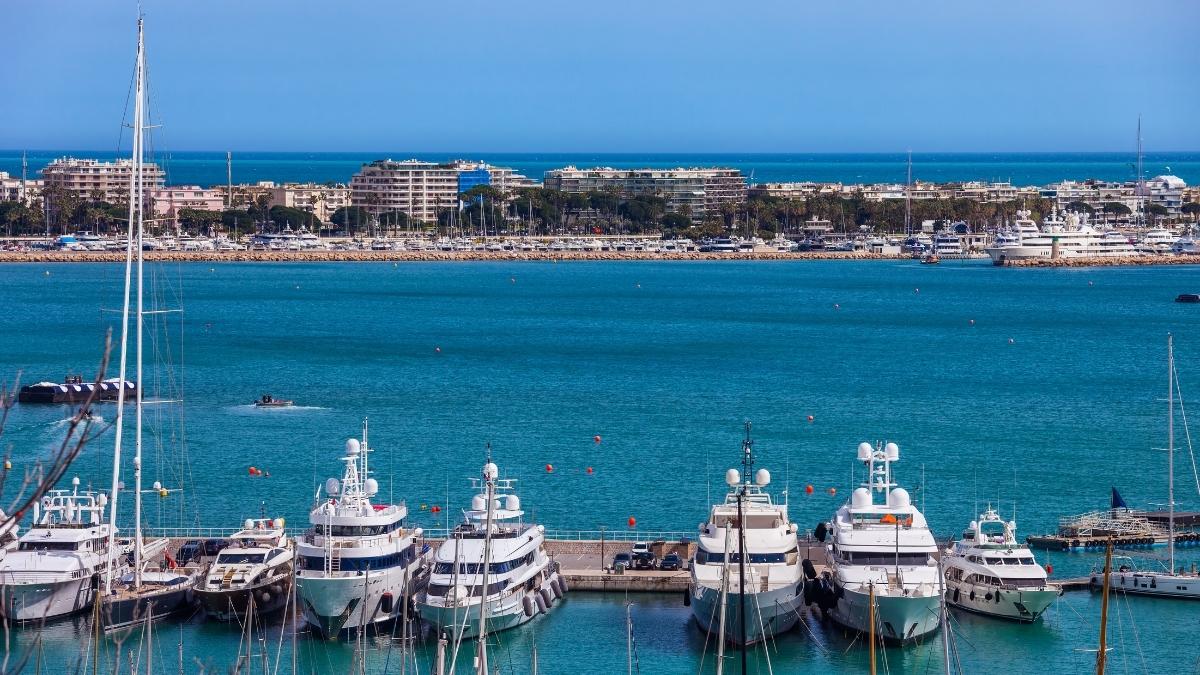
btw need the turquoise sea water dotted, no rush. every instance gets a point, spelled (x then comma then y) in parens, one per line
(1029, 168)
(1053, 395)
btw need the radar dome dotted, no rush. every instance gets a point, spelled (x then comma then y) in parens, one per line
(892, 452)
(899, 499)
(512, 503)
(249, 524)
(861, 498)
(490, 471)
(478, 503)
(102, 500)
(75, 481)
(864, 451)
(372, 487)
(352, 446)
(279, 522)
(333, 486)
(157, 485)
(732, 477)
(762, 477)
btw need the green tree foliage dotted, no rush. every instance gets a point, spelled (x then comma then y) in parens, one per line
(286, 216)
(1117, 208)
(1191, 208)
(1157, 210)
(1079, 207)
(352, 219)
(198, 220)
(237, 221)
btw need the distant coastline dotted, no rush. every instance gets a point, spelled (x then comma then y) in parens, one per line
(1021, 168)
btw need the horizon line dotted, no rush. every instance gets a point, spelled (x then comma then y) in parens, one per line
(467, 153)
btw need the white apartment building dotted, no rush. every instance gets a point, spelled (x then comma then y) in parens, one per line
(13, 189)
(320, 200)
(424, 189)
(698, 191)
(91, 178)
(1167, 191)
(167, 202)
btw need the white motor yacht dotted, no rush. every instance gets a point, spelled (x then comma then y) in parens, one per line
(57, 567)
(1068, 237)
(256, 565)
(881, 553)
(990, 572)
(746, 576)
(359, 563)
(494, 558)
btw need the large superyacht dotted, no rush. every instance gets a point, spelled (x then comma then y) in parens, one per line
(519, 580)
(990, 572)
(60, 560)
(358, 564)
(744, 599)
(882, 554)
(1069, 237)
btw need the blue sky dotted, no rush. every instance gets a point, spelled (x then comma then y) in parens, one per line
(652, 76)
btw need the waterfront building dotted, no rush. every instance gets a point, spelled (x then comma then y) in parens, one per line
(245, 194)
(699, 192)
(169, 201)
(798, 191)
(14, 189)
(93, 179)
(423, 189)
(1166, 191)
(320, 200)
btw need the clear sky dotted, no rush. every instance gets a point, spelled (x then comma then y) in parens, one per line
(615, 75)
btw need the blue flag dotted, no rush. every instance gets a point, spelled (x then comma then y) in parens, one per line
(1117, 502)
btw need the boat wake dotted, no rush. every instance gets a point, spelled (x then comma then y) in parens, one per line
(251, 409)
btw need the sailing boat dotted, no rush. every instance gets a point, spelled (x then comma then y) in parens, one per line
(1174, 583)
(139, 594)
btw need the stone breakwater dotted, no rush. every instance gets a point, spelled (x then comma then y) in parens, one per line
(420, 256)
(1109, 261)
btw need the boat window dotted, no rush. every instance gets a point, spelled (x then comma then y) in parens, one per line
(48, 546)
(1028, 561)
(874, 558)
(228, 557)
(995, 561)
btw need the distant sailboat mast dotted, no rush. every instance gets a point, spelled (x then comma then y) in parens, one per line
(1171, 450)
(908, 199)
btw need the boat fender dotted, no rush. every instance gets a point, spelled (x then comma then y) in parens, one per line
(820, 532)
(956, 595)
(529, 606)
(540, 600)
(385, 603)
(687, 597)
(810, 588)
(554, 590)
(547, 596)
(266, 597)
(972, 595)
(562, 582)
(810, 572)
(276, 589)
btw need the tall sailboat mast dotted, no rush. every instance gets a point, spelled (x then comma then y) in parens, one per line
(1171, 449)
(489, 479)
(134, 216)
(136, 194)
(908, 199)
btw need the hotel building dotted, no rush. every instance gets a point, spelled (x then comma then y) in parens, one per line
(699, 192)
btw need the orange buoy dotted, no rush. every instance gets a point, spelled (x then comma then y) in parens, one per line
(833, 491)
(589, 470)
(632, 521)
(808, 489)
(596, 439)
(549, 468)
(810, 418)
(253, 471)
(435, 508)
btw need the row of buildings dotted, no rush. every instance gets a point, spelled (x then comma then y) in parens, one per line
(423, 189)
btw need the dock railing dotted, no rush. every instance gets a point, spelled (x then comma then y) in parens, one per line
(617, 535)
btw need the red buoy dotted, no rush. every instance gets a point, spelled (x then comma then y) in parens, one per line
(596, 438)
(808, 489)
(589, 470)
(253, 470)
(1049, 570)
(436, 509)
(810, 418)
(632, 521)
(549, 468)
(833, 491)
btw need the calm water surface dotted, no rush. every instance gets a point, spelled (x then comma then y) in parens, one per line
(1050, 397)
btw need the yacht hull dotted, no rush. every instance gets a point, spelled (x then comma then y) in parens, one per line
(898, 618)
(769, 613)
(1025, 606)
(231, 604)
(1151, 584)
(345, 602)
(503, 612)
(37, 601)
(159, 603)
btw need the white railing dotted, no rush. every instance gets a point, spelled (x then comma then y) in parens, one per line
(441, 533)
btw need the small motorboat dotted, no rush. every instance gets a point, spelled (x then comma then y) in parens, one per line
(269, 401)
(930, 259)
(1188, 297)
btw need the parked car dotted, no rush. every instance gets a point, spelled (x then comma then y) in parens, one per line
(192, 549)
(212, 547)
(644, 561)
(640, 547)
(622, 561)
(670, 562)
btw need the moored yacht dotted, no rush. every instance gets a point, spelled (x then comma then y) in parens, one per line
(881, 553)
(1068, 237)
(359, 563)
(990, 572)
(58, 563)
(494, 558)
(9, 534)
(746, 577)
(255, 567)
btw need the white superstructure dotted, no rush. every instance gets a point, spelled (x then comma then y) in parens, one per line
(358, 563)
(883, 547)
(521, 580)
(990, 572)
(746, 576)
(58, 564)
